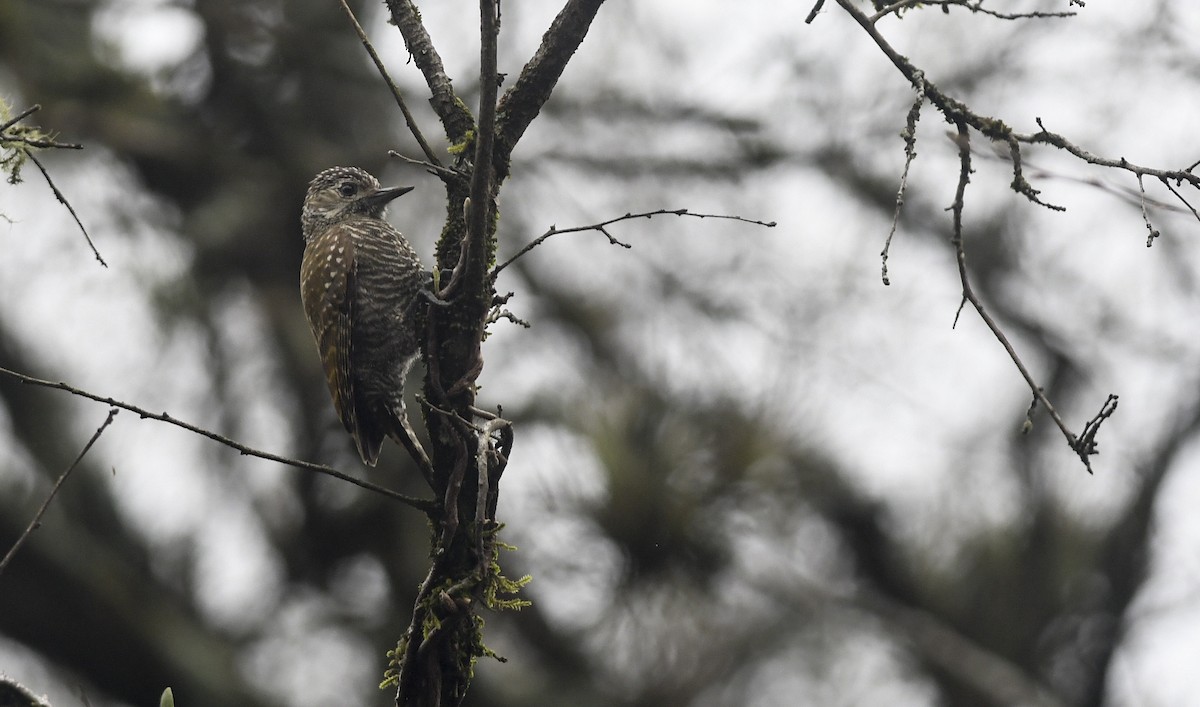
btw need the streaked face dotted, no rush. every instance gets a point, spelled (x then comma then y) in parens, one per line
(335, 194)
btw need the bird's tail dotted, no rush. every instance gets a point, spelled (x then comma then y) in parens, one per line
(401, 430)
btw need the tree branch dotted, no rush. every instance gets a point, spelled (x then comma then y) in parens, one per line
(1085, 445)
(479, 214)
(37, 517)
(408, 117)
(909, 135)
(20, 116)
(432, 665)
(964, 118)
(62, 199)
(522, 103)
(455, 117)
(1046, 137)
(975, 6)
(602, 227)
(427, 507)
(994, 129)
(22, 141)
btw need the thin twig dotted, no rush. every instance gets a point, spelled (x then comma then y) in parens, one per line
(40, 143)
(408, 117)
(996, 130)
(1127, 194)
(812, 14)
(485, 451)
(1163, 175)
(910, 153)
(522, 103)
(964, 119)
(436, 170)
(1083, 446)
(455, 117)
(954, 110)
(976, 6)
(420, 504)
(63, 200)
(20, 116)
(1048, 138)
(1027, 425)
(498, 312)
(1146, 216)
(37, 517)
(1180, 197)
(602, 227)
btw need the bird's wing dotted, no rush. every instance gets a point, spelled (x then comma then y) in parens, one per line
(356, 419)
(328, 283)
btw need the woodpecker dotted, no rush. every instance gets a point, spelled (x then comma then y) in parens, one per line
(360, 282)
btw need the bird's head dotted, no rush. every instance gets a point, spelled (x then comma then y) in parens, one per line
(341, 192)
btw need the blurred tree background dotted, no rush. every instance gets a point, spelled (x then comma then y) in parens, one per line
(746, 472)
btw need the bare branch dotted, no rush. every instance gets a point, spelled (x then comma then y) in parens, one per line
(910, 153)
(418, 503)
(1046, 137)
(975, 6)
(498, 312)
(42, 142)
(445, 173)
(455, 117)
(602, 227)
(63, 200)
(1085, 445)
(1145, 216)
(20, 116)
(954, 110)
(1179, 196)
(484, 455)
(994, 129)
(997, 131)
(474, 255)
(525, 99)
(812, 14)
(37, 517)
(24, 146)
(408, 117)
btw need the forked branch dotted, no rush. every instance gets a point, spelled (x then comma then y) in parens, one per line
(964, 120)
(602, 227)
(19, 143)
(1083, 445)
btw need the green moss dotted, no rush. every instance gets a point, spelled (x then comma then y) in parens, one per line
(15, 146)
(498, 593)
(391, 676)
(461, 146)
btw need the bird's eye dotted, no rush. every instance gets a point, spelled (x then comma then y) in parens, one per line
(348, 189)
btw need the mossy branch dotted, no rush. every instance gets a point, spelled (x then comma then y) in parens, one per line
(19, 143)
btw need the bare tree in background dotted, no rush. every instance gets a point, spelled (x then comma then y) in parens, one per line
(748, 556)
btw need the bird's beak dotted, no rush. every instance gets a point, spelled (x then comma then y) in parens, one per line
(383, 196)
